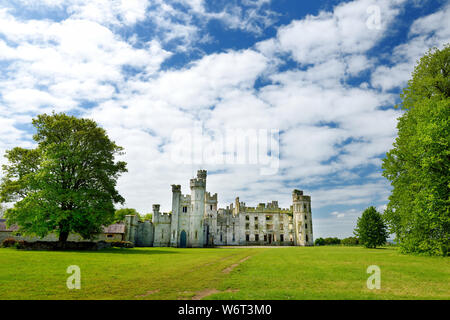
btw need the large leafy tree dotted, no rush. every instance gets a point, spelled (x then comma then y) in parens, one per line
(67, 183)
(370, 229)
(418, 166)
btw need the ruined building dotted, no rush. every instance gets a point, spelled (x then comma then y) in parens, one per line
(196, 221)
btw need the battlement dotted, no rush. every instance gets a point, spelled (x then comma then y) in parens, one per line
(185, 198)
(165, 218)
(297, 196)
(201, 174)
(160, 217)
(198, 183)
(176, 188)
(211, 198)
(264, 209)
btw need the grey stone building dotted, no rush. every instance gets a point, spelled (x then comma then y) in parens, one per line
(196, 221)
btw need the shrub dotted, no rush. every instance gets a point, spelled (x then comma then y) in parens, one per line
(122, 244)
(330, 241)
(350, 241)
(319, 242)
(8, 242)
(21, 244)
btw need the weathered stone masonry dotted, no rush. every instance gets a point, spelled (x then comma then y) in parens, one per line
(196, 221)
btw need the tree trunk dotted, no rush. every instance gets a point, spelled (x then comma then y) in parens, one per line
(63, 235)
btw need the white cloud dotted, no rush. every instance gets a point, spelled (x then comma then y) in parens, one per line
(426, 32)
(331, 35)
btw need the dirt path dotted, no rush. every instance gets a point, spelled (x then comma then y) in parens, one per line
(230, 268)
(148, 294)
(206, 293)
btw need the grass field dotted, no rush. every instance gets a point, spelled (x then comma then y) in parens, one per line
(231, 273)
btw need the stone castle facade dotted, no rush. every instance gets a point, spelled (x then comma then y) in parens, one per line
(196, 222)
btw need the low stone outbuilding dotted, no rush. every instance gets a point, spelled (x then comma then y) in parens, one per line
(114, 232)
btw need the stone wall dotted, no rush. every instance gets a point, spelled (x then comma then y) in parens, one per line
(53, 237)
(145, 234)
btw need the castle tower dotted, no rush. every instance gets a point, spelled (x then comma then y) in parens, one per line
(302, 219)
(176, 205)
(156, 213)
(131, 225)
(198, 206)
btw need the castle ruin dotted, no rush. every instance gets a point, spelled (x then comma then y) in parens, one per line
(197, 222)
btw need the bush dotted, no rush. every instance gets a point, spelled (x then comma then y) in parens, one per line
(319, 242)
(122, 244)
(8, 242)
(350, 241)
(330, 241)
(21, 244)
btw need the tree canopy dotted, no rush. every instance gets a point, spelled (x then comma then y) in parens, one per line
(67, 183)
(418, 166)
(370, 229)
(119, 215)
(147, 217)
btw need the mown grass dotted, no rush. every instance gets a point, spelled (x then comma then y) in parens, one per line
(270, 273)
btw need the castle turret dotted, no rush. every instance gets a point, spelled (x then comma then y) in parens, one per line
(156, 213)
(197, 214)
(176, 205)
(302, 219)
(237, 208)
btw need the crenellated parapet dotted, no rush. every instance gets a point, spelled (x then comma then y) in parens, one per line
(185, 198)
(159, 217)
(211, 198)
(201, 174)
(197, 183)
(297, 196)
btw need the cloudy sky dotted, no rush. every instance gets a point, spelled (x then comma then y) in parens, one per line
(323, 75)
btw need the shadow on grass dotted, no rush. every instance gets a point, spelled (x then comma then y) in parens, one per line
(124, 251)
(141, 251)
(146, 251)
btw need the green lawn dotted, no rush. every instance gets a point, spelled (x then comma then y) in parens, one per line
(268, 273)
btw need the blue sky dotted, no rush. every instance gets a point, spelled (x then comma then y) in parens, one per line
(325, 75)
